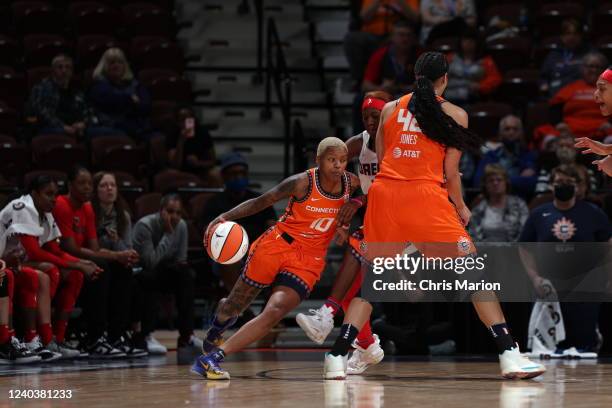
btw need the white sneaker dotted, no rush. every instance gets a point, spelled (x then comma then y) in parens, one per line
(514, 365)
(37, 348)
(318, 324)
(334, 367)
(539, 350)
(573, 353)
(363, 358)
(63, 349)
(154, 346)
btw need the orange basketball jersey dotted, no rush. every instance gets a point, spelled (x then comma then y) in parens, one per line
(409, 154)
(311, 220)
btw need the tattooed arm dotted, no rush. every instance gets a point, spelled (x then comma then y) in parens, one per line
(296, 186)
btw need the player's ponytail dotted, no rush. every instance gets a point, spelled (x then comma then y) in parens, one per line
(426, 107)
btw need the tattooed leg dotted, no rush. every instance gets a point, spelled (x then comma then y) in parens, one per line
(227, 313)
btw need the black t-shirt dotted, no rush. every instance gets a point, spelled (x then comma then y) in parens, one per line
(392, 69)
(255, 225)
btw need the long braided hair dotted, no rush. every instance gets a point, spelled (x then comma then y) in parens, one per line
(427, 110)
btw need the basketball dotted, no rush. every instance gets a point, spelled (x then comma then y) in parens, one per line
(228, 243)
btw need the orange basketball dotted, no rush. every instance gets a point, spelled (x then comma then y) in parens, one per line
(228, 243)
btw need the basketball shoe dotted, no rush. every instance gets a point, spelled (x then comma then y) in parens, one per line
(515, 366)
(334, 367)
(208, 367)
(67, 352)
(318, 324)
(363, 358)
(46, 355)
(15, 352)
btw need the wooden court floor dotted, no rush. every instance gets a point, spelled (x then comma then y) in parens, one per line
(283, 379)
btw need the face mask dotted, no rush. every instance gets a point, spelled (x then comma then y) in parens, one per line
(565, 192)
(566, 154)
(237, 185)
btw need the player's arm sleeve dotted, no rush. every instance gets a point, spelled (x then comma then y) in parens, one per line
(150, 255)
(37, 254)
(63, 218)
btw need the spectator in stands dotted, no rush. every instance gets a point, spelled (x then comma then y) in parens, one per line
(161, 240)
(508, 148)
(235, 173)
(445, 18)
(566, 219)
(562, 65)
(499, 217)
(119, 99)
(114, 230)
(563, 151)
(76, 220)
(190, 147)
(391, 67)
(59, 106)
(574, 103)
(471, 74)
(377, 18)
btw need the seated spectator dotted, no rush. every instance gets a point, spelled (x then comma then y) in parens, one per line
(445, 18)
(566, 219)
(508, 148)
(161, 240)
(121, 102)
(235, 173)
(574, 103)
(391, 67)
(377, 18)
(59, 106)
(76, 220)
(562, 151)
(471, 74)
(562, 65)
(499, 217)
(190, 147)
(114, 230)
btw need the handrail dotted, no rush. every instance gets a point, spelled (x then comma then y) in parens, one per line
(258, 78)
(277, 73)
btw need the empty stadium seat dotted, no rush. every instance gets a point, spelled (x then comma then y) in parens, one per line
(58, 152)
(509, 53)
(170, 179)
(8, 119)
(59, 176)
(146, 204)
(118, 153)
(602, 20)
(96, 20)
(39, 49)
(550, 16)
(15, 161)
(171, 88)
(484, 117)
(510, 12)
(147, 19)
(519, 86)
(89, 49)
(36, 17)
(12, 90)
(159, 54)
(10, 51)
(197, 204)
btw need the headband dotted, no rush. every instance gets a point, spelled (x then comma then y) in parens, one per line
(607, 75)
(375, 103)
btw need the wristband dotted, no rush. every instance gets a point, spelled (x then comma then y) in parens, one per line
(356, 201)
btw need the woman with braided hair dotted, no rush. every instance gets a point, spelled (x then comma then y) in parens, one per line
(416, 198)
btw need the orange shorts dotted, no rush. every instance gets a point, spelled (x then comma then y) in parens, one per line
(402, 212)
(274, 260)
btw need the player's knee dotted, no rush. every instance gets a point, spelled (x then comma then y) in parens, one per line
(43, 282)
(275, 312)
(45, 267)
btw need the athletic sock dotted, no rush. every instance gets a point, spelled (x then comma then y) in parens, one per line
(333, 304)
(46, 333)
(502, 337)
(59, 326)
(5, 335)
(365, 338)
(348, 332)
(29, 335)
(217, 328)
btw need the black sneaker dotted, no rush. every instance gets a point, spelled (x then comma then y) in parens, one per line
(127, 345)
(102, 349)
(46, 355)
(15, 352)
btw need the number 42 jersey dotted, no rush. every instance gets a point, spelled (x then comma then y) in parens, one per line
(311, 220)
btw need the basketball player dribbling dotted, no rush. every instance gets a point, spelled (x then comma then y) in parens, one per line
(289, 256)
(419, 143)
(320, 322)
(603, 97)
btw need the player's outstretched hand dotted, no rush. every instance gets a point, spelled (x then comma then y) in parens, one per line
(346, 213)
(593, 146)
(210, 227)
(605, 165)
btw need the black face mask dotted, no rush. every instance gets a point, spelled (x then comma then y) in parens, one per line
(565, 192)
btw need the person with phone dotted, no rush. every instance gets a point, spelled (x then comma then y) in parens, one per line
(190, 147)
